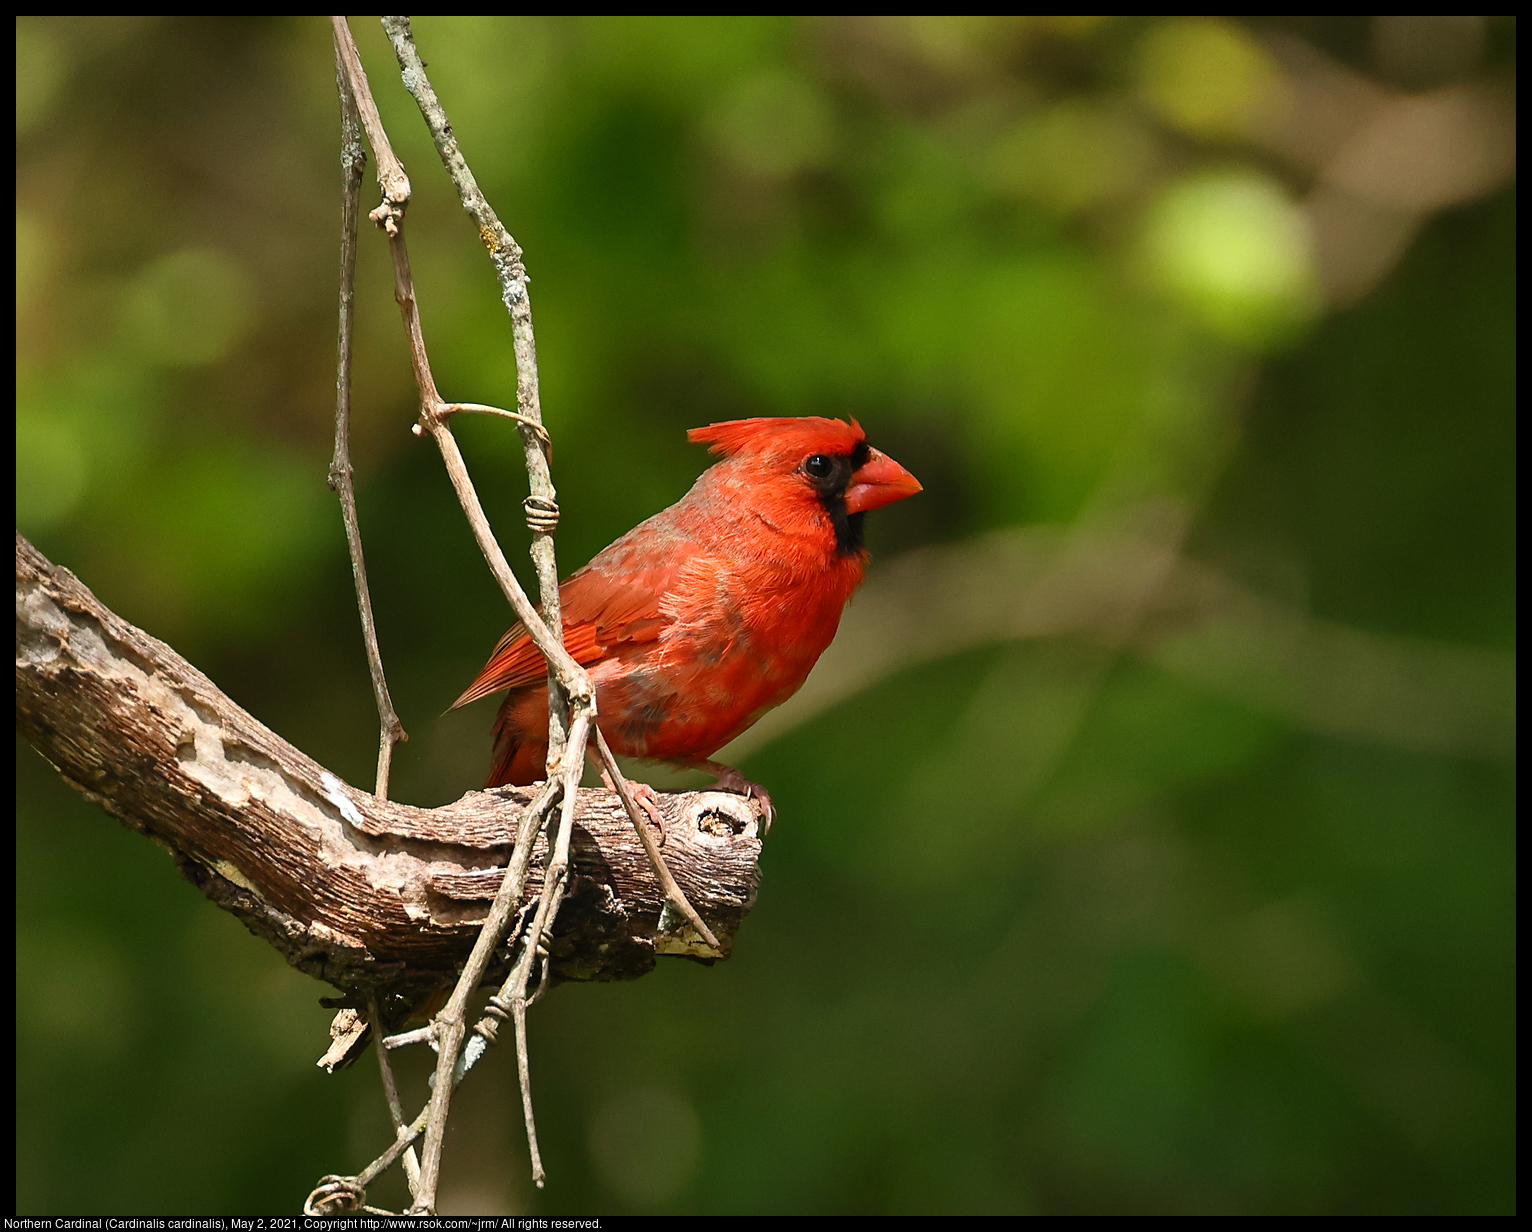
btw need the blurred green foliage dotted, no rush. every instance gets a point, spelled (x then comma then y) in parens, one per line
(1044, 927)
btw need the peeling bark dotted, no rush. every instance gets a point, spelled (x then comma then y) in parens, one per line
(356, 891)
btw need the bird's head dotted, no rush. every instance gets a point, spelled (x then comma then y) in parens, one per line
(812, 463)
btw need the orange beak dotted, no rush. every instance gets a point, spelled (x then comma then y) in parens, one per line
(877, 482)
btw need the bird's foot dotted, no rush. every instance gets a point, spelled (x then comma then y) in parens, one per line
(730, 779)
(645, 797)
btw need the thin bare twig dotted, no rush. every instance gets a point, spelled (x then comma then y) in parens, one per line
(571, 696)
(390, 216)
(555, 882)
(505, 256)
(353, 162)
(391, 1092)
(336, 1189)
(449, 1023)
(348, 1193)
(478, 408)
(391, 730)
(406, 1038)
(667, 882)
(391, 178)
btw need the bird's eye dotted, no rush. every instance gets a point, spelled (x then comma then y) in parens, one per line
(818, 466)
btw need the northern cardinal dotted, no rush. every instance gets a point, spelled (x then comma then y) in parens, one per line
(701, 619)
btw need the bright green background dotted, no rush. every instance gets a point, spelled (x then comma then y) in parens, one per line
(1197, 956)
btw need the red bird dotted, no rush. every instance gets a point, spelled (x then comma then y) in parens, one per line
(701, 619)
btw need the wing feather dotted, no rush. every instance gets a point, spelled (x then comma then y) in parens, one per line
(612, 602)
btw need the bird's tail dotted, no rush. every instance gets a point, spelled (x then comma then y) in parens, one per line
(520, 739)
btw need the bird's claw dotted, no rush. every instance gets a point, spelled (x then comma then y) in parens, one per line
(646, 798)
(730, 779)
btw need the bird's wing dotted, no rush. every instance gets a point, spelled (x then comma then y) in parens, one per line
(613, 601)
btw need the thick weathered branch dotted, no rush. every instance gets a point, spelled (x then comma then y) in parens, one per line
(357, 891)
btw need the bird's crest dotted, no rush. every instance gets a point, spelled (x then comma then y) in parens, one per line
(791, 435)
